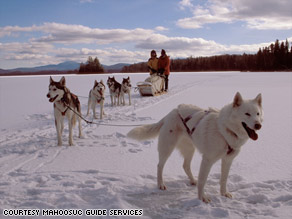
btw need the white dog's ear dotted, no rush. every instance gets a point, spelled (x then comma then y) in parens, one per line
(95, 83)
(51, 80)
(63, 81)
(258, 99)
(237, 101)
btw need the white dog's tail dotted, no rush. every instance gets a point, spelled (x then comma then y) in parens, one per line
(146, 131)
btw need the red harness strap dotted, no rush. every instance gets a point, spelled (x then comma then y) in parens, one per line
(101, 97)
(191, 131)
(184, 121)
(64, 113)
(230, 149)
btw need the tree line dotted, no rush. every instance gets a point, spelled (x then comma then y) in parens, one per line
(276, 57)
(91, 66)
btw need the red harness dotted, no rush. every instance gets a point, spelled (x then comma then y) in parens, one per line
(99, 99)
(63, 113)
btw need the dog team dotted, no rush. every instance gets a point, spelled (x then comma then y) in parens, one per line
(67, 104)
(216, 134)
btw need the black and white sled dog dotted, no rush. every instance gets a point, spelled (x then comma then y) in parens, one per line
(115, 89)
(217, 134)
(96, 96)
(64, 101)
(126, 89)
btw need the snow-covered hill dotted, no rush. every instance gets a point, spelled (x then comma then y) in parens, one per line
(106, 170)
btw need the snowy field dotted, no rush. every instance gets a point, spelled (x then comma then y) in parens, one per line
(106, 170)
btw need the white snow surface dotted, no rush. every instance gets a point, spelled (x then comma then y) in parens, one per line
(106, 170)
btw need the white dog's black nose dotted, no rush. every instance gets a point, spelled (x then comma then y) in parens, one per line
(257, 126)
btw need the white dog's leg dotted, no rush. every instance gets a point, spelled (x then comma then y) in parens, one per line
(122, 97)
(70, 123)
(80, 127)
(101, 109)
(203, 175)
(59, 127)
(188, 150)
(225, 167)
(112, 99)
(166, 145)
(88, 105)
(93, 110)
(118, 97)
(129, 98)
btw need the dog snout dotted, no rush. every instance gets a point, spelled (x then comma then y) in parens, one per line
(257, 126)
(48, 96)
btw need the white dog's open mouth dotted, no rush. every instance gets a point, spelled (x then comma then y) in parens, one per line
(251, 133)
(53, 99)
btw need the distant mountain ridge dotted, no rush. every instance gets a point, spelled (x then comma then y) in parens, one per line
(64, 66)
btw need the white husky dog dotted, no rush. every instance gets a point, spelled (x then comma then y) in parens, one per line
(217, 134)
(64, 101)
(96, 96)
(126, 89)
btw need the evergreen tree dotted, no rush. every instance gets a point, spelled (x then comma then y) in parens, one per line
(92, 66)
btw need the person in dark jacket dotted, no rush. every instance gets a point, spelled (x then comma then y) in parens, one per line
(164, 67)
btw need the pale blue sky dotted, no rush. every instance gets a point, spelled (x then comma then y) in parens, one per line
(40, 32)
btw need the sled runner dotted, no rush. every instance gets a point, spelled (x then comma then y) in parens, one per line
(152, 86)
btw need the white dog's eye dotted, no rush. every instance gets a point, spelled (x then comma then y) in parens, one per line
(54, 89)
(247, 114)
(258, 114)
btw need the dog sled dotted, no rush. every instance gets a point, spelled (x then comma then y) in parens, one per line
(152, 86)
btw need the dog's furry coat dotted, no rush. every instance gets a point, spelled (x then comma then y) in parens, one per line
(62, 98)
(115, 89)
(126, 89)
(96, 96)
(217, 134)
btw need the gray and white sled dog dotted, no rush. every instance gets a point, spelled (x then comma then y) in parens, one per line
(96, 96)
(63, 100)
(126, 89)
(115, 90)
(217, 134)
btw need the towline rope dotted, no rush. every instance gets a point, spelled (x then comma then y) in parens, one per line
(104, 124)
(134, 88)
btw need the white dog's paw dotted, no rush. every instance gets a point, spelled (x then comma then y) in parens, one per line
(206, 199)
(193, 182)
(162, 186)
(227, 195)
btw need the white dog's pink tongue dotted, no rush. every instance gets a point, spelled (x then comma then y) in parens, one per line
(253, 135)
